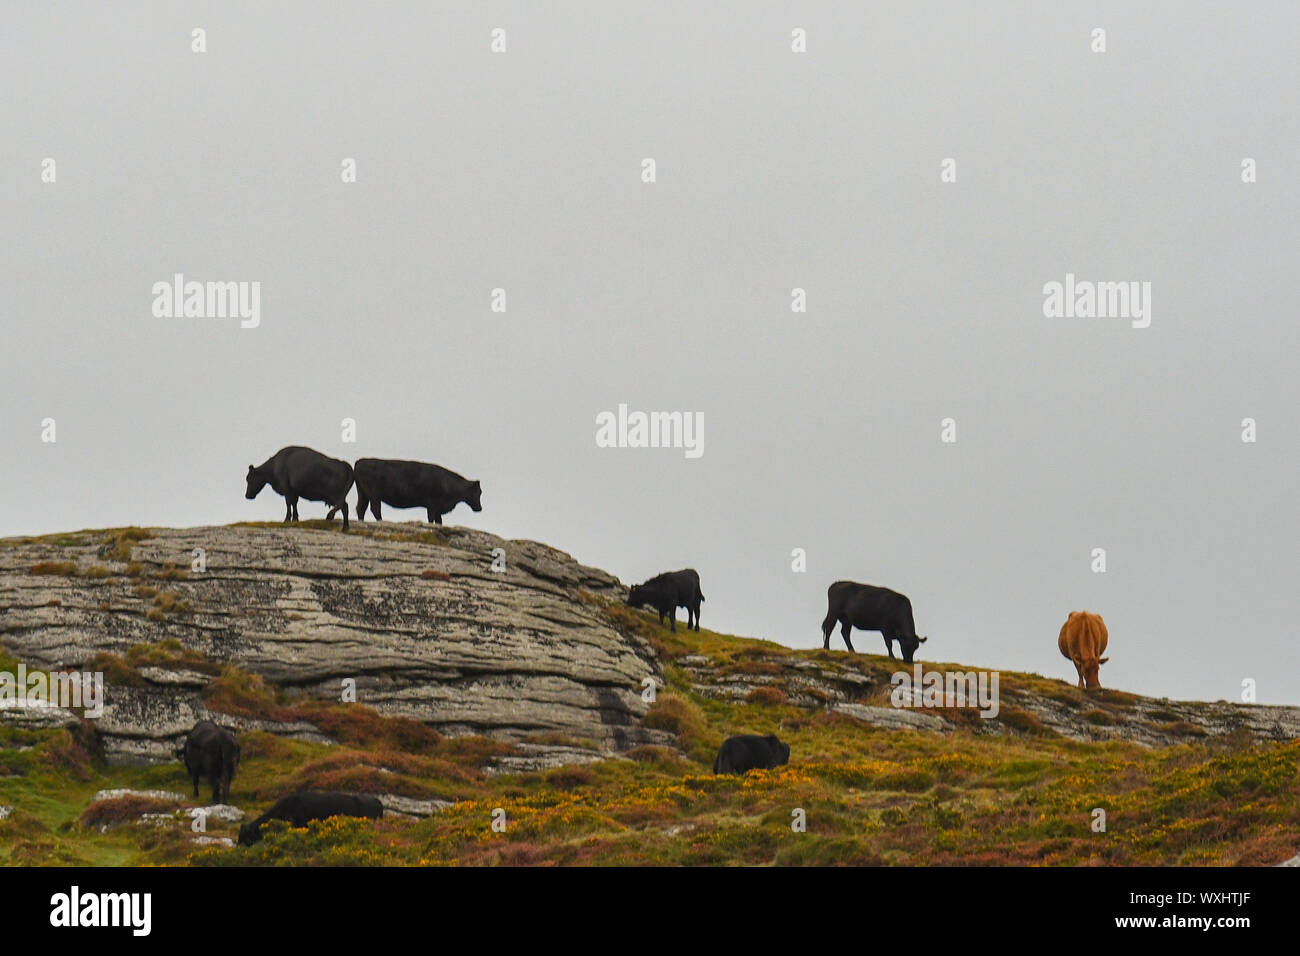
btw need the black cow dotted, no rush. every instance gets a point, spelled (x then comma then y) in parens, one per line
(751, 752)
(298, 472)
(667, 592)
(301, 808)
(412, 484)
(213, 752)
(870, 608)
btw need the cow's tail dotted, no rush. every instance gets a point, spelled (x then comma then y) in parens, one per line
(700, 593)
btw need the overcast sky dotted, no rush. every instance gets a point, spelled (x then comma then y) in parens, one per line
(775, 170)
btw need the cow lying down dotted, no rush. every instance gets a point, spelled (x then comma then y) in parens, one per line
(301, 808)
(751, 752)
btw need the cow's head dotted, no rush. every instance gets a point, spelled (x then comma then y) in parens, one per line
(249, 834)
(908, 646)
(1088, 667)
(474, 496)
(782, 749)
(636, 596)
(256, 482)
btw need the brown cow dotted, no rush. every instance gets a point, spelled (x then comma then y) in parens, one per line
(1083, 640)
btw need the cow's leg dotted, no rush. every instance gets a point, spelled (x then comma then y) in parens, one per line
(288, 509)
(329, 515)
(844, 632)
(291, 502)
(697, 617)
(374, 509)
(828, 625)
(434, 516)
(196, 777)
(889, 643)
(344, 508)
(672, 616)
(362, 502)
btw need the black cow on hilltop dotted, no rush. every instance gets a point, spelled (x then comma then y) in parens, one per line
(213, 752)
(301, 808)
(667, 592)
(751, 752)
(298, 472)
(412, 484)
(870, 608)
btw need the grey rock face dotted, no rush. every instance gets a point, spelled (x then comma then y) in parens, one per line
(415, 616)
(894, 718)
(806, 683)
(144, 794)
(411, 807)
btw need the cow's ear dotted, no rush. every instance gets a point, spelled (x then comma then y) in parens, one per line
(1103, 660)
(250, 469)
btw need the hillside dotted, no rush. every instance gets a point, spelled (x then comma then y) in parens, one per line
(522, 691)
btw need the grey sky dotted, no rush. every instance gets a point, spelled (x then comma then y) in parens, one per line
(775, 171)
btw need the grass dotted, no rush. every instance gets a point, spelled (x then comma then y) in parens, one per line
(869, 796)
(67, 569)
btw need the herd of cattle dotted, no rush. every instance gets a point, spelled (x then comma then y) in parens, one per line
(296, 472)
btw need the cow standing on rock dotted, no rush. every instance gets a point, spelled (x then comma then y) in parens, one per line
(213, 752)
(667, 592)
(298, 472)
(412, 484)
(869, 608)
(1083, 640)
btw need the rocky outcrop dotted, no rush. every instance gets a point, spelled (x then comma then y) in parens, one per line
(464, 631)
(415, 616)
(859, 686)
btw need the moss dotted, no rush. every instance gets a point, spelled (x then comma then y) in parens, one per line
(766, 696)
(67, 569)
(171, 572)
(120, 543)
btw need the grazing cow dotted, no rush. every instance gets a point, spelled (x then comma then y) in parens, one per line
(751, 752)
(870, 608)
(412, 484)
(213, 752)
(667, 592)
(1083, 640)
(301, 808)
(298, 472)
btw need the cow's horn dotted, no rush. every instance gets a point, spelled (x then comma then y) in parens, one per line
(1103, 660)
(922, 640)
